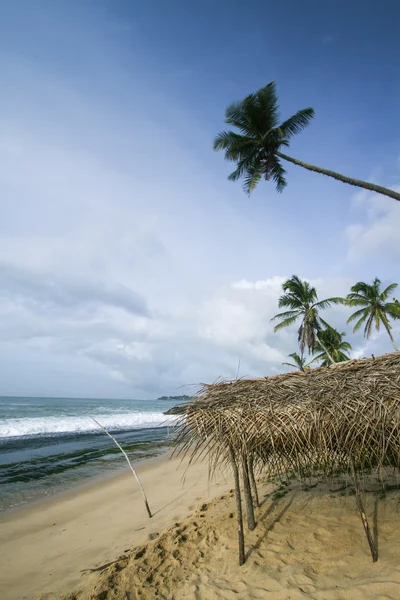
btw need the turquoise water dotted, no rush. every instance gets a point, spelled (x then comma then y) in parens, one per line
(50, 444)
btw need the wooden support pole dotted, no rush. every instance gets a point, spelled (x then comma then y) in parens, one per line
(253, 482)
(251, 523)
(361, 510)
(238, 509)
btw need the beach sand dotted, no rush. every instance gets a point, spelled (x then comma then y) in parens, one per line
(307, 544)
(43, 548)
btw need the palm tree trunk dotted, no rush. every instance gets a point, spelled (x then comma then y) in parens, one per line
(391, 338)
(379, 189)
(324, 349)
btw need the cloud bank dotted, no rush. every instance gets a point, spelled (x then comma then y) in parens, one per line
(129, 266)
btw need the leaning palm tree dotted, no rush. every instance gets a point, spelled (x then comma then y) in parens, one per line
(375, 308)
(257, 148)
(302, 300)
(333, 341)
(300, 362)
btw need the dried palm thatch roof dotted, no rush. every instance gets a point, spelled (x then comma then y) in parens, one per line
(327, 414)
(346, 415)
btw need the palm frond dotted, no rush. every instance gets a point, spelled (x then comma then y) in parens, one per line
(368, 326)
(328, 301)
(236, 115)
(393, 309)
(364, 288)
(390, 288)
(301, 290)
(264, 108)
(247, 166)
(285, 323)
(290, 301)
(288, 313)
(358, 314)
(286, 364)
(346, 346)
(273, 170)
(357, 300)
(327, 325)
(297, 122)
(251, 180)
(236, 146)
(359, 323)
(385, 321)
(319, 357)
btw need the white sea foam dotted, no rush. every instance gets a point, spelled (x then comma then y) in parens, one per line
(70, 424)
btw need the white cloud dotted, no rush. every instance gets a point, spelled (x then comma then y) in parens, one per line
(359, 352)
(274, 284)
(377, 233)
(238, 319)
(60, 291)
(129, 266)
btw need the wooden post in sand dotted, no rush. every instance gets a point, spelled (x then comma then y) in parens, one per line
(235, 470)
(361, 510)
(251, 523)
(256, 501)
(130, 466)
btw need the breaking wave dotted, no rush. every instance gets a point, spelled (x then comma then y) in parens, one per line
(33, 426)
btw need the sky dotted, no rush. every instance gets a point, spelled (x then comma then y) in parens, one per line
(130, 266)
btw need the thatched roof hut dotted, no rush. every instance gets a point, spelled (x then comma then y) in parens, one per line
(343, 416)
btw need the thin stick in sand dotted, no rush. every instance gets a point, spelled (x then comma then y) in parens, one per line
(361, 510)
(130, 466)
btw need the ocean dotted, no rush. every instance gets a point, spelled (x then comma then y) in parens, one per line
(48, 445)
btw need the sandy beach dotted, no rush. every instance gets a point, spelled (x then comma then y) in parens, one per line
(45, 547)
(306, 544)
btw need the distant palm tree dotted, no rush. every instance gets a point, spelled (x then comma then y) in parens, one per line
(257, 148)
(302, 299)
(375, 308)
(300, 362)
(333, 341)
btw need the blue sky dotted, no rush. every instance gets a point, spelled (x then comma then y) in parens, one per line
(129, 265)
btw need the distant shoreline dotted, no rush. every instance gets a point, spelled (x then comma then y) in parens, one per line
(176, 398)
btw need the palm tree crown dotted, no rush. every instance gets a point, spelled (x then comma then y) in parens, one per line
(375, 308)
(302, 300)
(332, 340)
(262, 135)
(256, 149)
